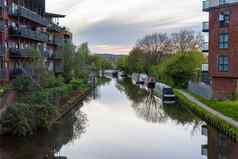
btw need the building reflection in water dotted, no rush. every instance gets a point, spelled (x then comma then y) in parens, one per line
(218, 145)
(45, 145)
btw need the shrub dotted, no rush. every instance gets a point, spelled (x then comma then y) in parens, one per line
(23, 84)
(23, 119)
(178, 69)
(18, 120)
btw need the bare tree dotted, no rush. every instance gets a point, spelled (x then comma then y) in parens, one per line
(186, 41)
(155, 46)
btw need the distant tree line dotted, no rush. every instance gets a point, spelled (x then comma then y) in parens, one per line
(153, 49)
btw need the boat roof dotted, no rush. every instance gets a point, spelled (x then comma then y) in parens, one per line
(163, 85)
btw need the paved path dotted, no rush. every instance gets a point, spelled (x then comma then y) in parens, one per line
(220, 115)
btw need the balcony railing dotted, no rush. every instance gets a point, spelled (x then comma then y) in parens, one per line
(205, 5)
(2, 25)
(1, 3)
(58, 68)
(55, 56)
(2, 50)
(21, 53)
(205, 47)
(29, 34)
(3, 74)
(30, 15)
(55, 28)
(59, 41)
(205, 27)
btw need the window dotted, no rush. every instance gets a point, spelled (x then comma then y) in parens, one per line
(223, 40)
(223, 63)
(224, 18)
(221, 2)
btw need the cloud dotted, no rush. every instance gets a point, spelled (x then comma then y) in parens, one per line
(116, 23)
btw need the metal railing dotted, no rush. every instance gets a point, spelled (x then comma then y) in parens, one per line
(29, 14)
(2, 25)
(2, 50)
(205, 5)
(29, 34)
(3, 73)
(18, 53)
(55, 28)
(1, 3)
(205, 26)
(59, 41)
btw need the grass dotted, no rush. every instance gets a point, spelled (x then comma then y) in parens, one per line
(228, 108)
(205, 115)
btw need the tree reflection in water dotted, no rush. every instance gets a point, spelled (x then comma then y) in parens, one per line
(152, 110)
(45, 144)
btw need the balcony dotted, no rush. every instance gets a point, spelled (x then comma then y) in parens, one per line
(2, 26)
(205, 47)
(3, 74)
(30, 15)
(55, 28)
(205, 27)
(1, 3)
(21, 53)
(2, 50)
(205, 5)
(59, 68)
(55, 56)
(29, 34)
(58, 41)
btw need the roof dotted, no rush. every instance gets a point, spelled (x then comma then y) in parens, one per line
(54, 15)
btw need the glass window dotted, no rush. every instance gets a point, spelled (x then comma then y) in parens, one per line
(223, 63)
(221, 2)
(223, 40)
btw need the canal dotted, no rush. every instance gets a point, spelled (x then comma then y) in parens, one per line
(121, 121)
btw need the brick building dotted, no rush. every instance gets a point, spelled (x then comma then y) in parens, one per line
(26, 26)
(222, 46)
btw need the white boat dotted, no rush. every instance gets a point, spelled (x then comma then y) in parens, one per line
(138, 78)
(165, 92)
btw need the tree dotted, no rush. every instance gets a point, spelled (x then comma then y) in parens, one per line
(68, 54)
(137, 61)
(123, 64)
(186, 41)
(155, 46)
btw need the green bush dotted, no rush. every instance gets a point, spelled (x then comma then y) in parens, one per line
(23, 119)
(23, 84)
(178, 69)
(18, 120)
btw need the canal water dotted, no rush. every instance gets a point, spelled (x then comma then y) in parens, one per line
(121, 121)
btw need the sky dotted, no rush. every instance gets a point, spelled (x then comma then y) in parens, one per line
(114, 26)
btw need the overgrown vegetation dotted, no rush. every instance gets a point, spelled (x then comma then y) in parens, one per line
(40, 99)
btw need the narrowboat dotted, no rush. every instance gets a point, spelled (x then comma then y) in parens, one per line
(165, 92)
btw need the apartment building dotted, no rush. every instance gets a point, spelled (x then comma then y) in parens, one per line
(222, 46)
(26, 26)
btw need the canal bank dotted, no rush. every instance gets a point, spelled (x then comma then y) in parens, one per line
(225, 124)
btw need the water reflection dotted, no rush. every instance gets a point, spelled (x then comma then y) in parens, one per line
(150, 108)
(45, 144)
(218, 145)
(123, 121)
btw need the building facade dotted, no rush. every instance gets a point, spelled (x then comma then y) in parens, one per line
(222, 46)
(25, 28)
